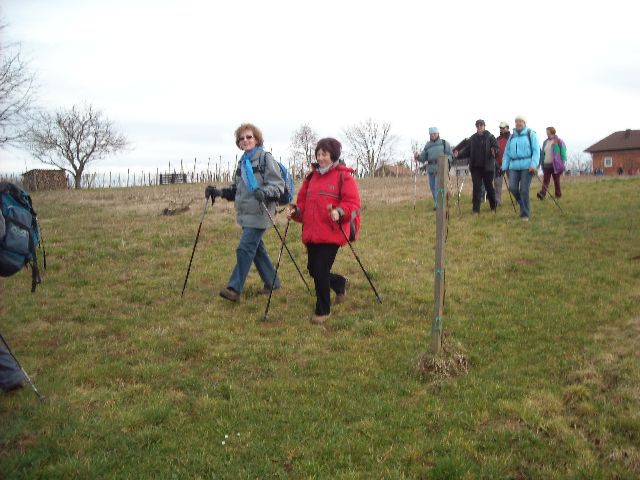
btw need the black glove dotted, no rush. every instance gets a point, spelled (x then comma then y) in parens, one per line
(211, 192)
(228, 194)
(259, 195)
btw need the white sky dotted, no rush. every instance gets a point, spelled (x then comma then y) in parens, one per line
(177, 77)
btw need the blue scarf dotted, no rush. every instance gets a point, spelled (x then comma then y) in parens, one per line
(246, 170)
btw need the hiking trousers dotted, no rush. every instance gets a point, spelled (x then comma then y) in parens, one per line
(320, 260)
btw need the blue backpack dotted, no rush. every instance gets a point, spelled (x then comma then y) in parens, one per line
(286, 197)
(19, 234)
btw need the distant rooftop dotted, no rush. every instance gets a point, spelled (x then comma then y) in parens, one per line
(623, 140)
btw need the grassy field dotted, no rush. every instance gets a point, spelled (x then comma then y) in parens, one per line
(143, 384)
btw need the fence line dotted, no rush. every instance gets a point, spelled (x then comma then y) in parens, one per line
(219, 172)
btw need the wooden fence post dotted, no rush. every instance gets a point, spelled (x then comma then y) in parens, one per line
(441, 234)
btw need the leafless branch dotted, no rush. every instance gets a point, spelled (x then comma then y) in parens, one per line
(71, 139)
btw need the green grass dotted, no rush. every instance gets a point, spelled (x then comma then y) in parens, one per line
(143, 384)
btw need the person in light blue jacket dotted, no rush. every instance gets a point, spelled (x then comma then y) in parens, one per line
(520, 160)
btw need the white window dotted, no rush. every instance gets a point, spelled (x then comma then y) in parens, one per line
(608, 162)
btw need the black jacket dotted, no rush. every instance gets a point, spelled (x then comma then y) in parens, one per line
(481, 159)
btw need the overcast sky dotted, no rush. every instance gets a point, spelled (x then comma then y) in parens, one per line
(177, 77)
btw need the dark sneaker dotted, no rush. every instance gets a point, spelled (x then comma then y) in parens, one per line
(342, 297)
(319, 319)
(540, 195)
(230, 294)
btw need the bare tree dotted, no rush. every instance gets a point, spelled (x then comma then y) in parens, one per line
(16, 93)
(303, 143)
(371, 145)
(71, 139)
(579, 162)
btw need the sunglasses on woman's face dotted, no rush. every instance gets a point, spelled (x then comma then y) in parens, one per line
(248, 137)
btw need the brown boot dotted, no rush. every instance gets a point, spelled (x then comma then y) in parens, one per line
(229, 294)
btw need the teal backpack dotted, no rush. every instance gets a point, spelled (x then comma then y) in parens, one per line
(287, 196)
(19, 233)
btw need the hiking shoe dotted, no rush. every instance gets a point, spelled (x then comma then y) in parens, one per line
(319, 319)
(540, 195)
(524, 219)
(230, 294)
(266, 290)
(342, 297)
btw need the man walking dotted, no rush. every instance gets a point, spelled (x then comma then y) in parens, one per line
(435, 147)
(482, 151)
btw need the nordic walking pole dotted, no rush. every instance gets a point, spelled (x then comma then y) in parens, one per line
(458, 190)
(378, 297)
(415, 186)
(40, 397)
(506, 180)
(286, 247)
(273, 282)
(44, 250)
(552, 197)
(206, 204)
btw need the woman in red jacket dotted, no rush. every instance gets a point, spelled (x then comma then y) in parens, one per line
(327, 201)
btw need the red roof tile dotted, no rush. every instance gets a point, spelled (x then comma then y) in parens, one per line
(623, 140)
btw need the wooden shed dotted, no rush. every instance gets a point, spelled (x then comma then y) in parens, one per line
(42, 179)
(617, 154)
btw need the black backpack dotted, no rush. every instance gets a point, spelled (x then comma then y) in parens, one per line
(19, 233)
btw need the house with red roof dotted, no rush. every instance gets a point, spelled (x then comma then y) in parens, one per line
(617, 154)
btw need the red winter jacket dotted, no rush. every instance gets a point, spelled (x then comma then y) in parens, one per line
(502, 143)
(316, 194)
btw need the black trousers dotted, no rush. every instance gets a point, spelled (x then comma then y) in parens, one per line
(481, 176)
(320, 260)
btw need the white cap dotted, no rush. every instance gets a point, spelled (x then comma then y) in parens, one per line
(504, 125)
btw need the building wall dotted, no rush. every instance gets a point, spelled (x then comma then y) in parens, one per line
(629, 160)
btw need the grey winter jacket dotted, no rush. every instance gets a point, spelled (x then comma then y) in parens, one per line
(431, 152)
(249, 213)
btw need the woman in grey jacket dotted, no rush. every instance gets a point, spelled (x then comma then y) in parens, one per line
(257, 184)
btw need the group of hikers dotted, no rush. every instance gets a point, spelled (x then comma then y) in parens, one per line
(516, 156)
(328, 201)
(328, 204)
